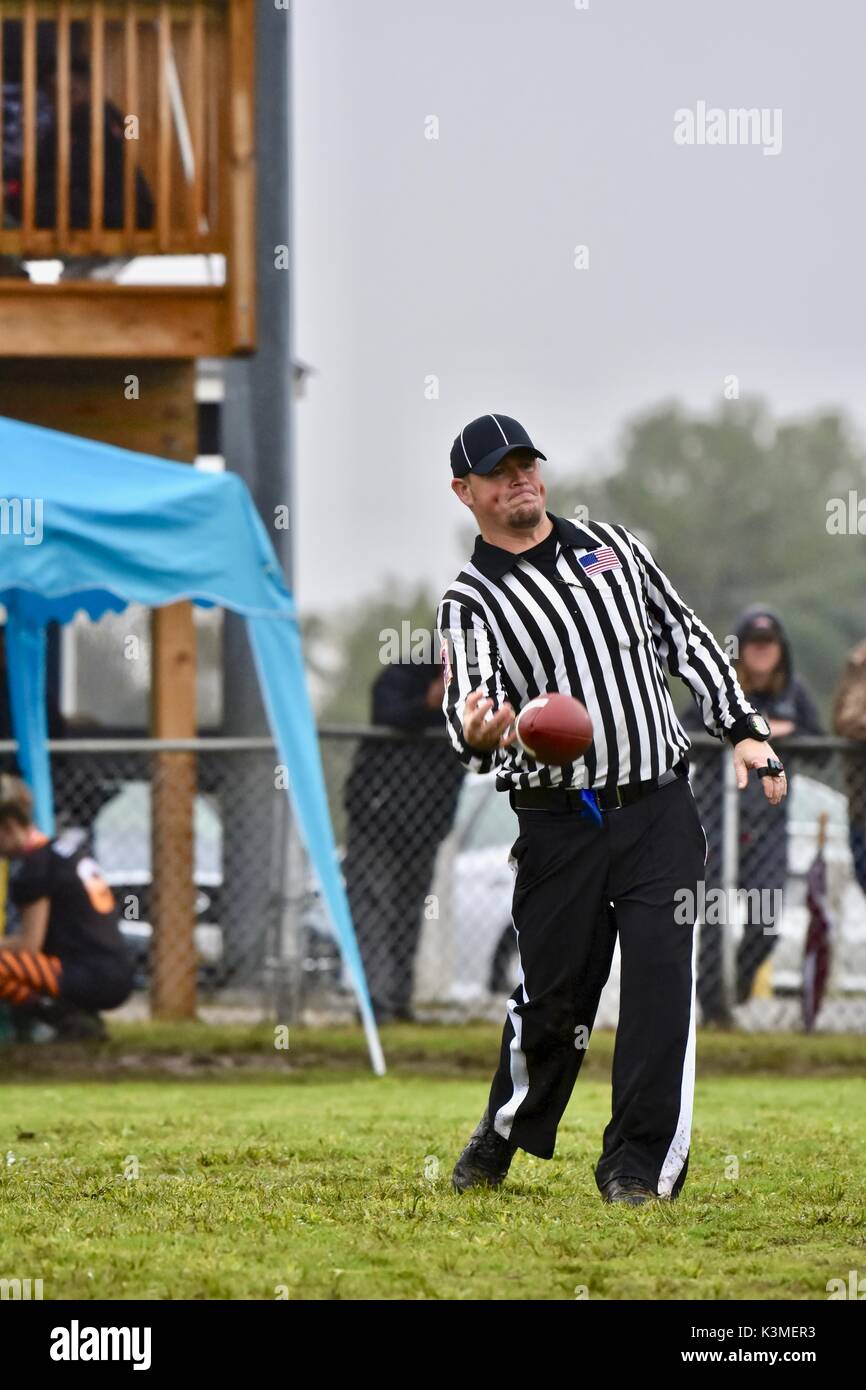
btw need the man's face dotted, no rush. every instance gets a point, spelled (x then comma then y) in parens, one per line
(510, 498)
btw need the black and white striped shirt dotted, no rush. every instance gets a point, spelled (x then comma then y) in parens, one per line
(602, 631)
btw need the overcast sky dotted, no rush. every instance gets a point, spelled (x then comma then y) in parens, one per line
(454, 257)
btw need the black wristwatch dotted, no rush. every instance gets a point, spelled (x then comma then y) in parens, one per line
(750, 726)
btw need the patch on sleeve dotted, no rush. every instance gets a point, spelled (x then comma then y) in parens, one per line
(446, 661)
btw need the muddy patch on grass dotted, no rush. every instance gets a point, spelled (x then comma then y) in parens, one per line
(83, 1062)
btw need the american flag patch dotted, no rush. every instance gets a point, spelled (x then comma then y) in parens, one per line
(597, 560)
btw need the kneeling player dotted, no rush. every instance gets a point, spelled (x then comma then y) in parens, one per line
(68, 960)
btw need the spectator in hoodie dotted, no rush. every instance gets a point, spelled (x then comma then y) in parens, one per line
(849, 721)
(400, 797)
(765, 670)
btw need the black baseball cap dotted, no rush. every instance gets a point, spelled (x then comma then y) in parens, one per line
(762, 627)
(483, 442)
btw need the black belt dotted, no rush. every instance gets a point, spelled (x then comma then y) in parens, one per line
(609, 799)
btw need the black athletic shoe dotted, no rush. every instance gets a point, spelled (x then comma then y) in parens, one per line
(632, 1191)
(55, 1020)
(81, 1025)
(485, 1160)
(71, 1023)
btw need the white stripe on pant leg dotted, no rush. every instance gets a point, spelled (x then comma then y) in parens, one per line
(519, 1071)
(678, 1151)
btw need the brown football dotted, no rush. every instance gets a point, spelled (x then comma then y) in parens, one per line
(554, 729)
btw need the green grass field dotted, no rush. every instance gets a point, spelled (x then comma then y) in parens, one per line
(316, 1179)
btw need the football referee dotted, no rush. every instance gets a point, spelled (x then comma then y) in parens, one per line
(607, 845)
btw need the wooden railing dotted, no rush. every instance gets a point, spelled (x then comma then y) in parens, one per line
(135, 127)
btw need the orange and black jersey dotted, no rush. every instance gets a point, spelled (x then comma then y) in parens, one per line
(82, 922)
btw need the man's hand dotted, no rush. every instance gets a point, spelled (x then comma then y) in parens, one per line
(497, 732)
(750, 753)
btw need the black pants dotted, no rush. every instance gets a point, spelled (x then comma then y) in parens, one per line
(577, 885)
(97, 981)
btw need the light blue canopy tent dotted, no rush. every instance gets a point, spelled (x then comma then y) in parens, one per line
(87, 526)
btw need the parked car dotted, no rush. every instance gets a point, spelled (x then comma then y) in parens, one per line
(121, 846)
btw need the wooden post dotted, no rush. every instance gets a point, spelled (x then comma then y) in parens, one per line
(173, 963)
(64, 50)
(97, 128)
(163, 126)
(241, 260)
(28, 163)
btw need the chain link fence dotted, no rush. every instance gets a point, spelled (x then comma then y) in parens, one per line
(426, 867)
(223, 916)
